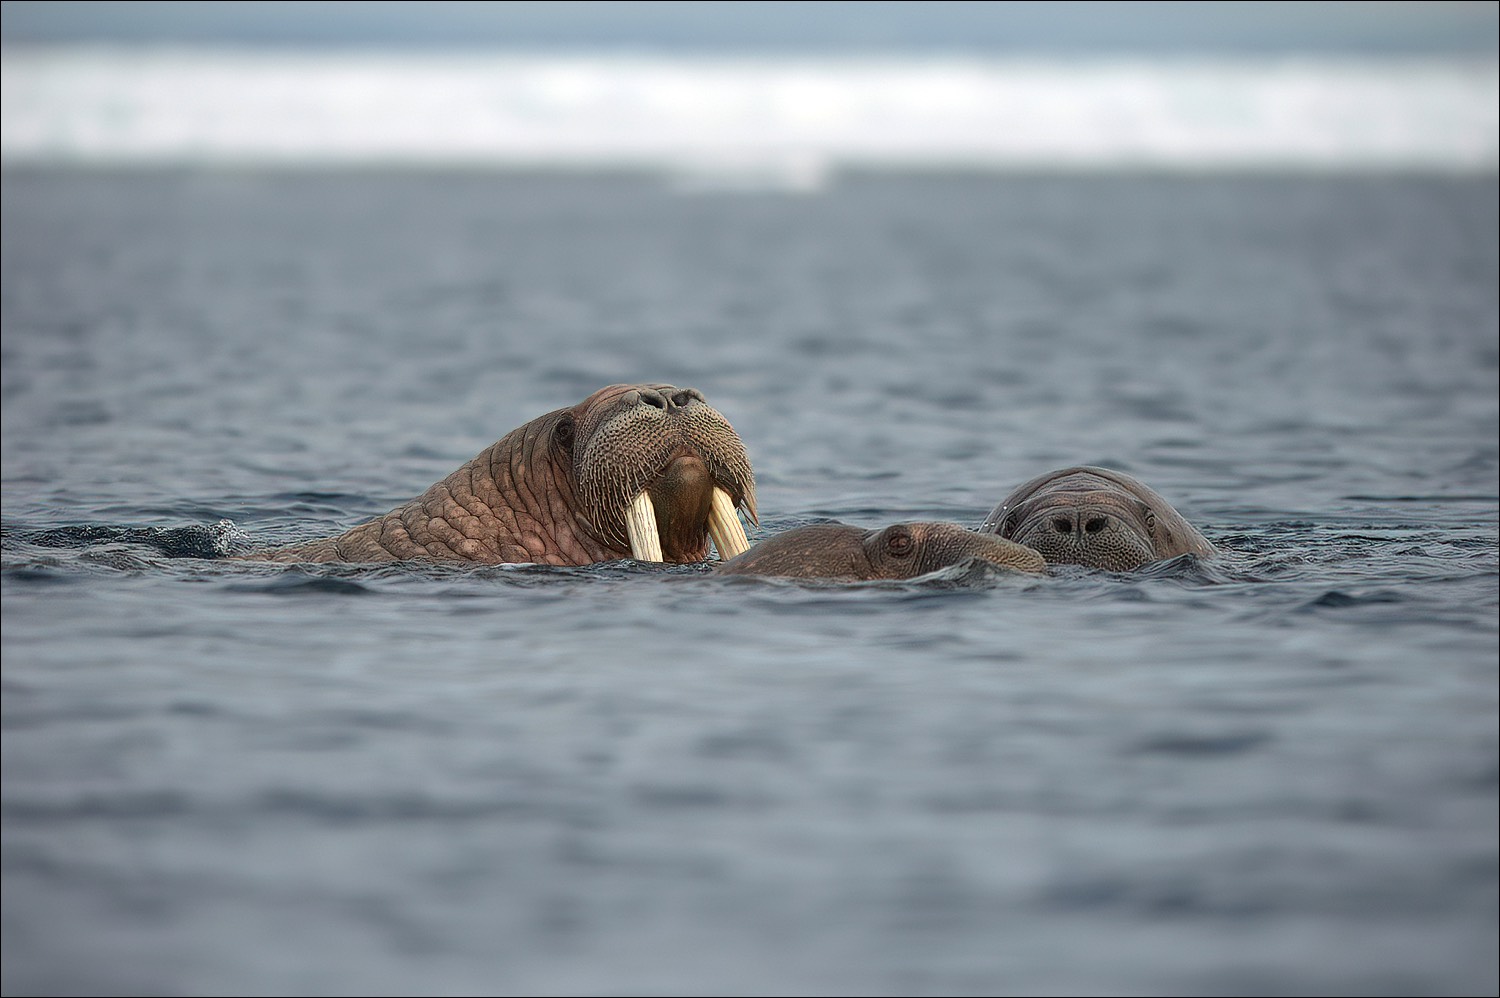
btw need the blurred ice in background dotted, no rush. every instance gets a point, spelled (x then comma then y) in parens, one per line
(756, 93)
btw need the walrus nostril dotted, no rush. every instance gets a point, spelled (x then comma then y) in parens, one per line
(686, 397)
(1062, 524)
(1096, 524)
(652, 397)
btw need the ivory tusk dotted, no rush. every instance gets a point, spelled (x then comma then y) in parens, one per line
(640, 525)
(724, 526)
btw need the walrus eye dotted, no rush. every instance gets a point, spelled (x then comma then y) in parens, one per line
(899, 543)
(564, 433)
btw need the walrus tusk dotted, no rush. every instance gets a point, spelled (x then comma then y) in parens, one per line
(640, 525)
(724, 526)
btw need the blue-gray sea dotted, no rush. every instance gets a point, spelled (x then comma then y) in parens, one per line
(1273, 772)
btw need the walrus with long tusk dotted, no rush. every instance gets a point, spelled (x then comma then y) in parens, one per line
(650, 472)
(1095, 517)
(841, 552)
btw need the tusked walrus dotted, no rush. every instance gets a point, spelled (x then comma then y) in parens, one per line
(650, 472)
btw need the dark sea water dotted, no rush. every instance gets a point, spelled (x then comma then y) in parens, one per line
(1273, 772)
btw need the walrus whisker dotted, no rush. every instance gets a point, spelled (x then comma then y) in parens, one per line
(724, 526)
(640, 524)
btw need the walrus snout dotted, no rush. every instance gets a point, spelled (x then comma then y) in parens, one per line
(661, 473)
(1085, 535)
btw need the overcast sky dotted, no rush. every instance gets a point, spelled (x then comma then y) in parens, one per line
(925, 26)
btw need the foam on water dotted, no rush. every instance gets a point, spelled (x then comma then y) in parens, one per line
(744, 122)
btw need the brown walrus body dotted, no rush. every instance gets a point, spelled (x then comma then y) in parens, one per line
(1095, 517)
(571, 488)
(838, 551)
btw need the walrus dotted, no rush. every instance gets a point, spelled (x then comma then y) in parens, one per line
(839, 551)
(650, 472)
(1095, 517)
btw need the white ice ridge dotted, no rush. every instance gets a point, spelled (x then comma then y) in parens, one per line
(789, 118)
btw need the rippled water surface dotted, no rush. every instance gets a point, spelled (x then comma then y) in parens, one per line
(1273, 772)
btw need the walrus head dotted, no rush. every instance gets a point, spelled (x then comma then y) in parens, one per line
(901, 551)
(658, 471)
(1096, 517)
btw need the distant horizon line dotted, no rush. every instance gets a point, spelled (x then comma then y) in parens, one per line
(727, 54)
(1055, 28)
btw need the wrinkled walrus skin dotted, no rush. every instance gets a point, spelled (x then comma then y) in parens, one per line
(556, 490)
(1094, 517)
(840, 552)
